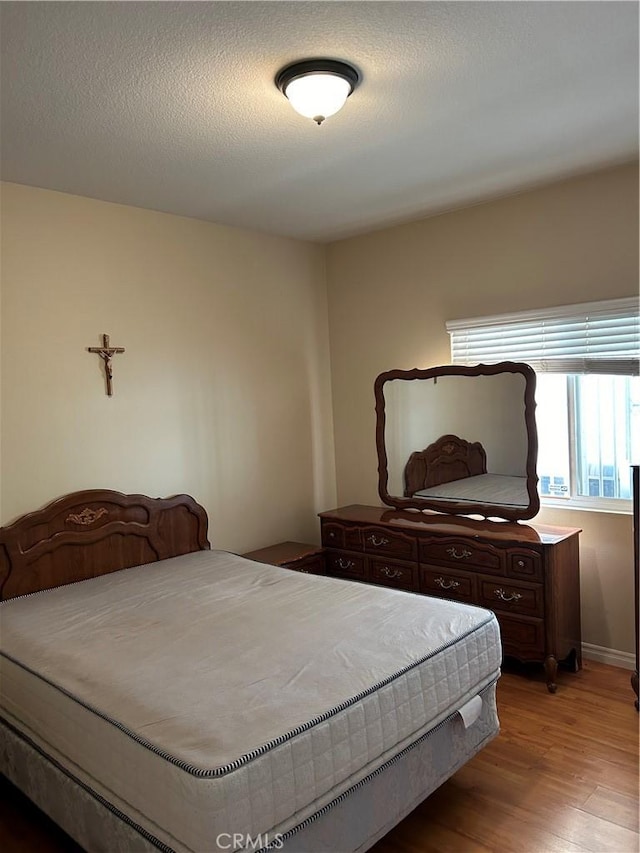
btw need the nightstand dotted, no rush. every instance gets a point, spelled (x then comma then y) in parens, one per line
(292, 555)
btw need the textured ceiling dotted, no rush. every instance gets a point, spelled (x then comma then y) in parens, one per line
(172, 106)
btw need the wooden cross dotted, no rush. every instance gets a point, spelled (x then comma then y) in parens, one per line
(106, 353)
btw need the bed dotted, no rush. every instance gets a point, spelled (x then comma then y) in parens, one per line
(448, 459)
(455, 469)
(157, 694)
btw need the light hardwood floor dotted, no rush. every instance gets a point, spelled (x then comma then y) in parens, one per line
(562, 777)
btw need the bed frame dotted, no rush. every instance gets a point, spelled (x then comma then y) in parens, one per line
(449, 458)
(91, 533)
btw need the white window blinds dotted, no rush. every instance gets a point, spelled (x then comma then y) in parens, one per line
(594, 337)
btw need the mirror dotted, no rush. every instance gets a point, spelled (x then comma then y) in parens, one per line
(459, 440)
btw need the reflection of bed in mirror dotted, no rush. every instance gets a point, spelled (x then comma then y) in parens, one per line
(453, 468)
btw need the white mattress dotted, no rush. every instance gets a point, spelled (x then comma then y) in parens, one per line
(499, 489)
(209, 694)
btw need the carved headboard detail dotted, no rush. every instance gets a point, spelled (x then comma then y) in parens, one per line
(447, 459)
(91, 533)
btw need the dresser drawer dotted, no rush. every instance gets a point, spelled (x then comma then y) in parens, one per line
(525, 565)
(400, 575)
(448, 583)
(344, 564)
(521, 637)
(381, 540)
(332, 535)
(341, 536)
(462, 553)
(521, 598)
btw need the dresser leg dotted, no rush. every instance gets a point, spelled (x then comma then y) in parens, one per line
(634, 685)
(575, 660)
(551, 670)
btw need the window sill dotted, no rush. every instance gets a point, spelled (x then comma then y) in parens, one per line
(616, 506)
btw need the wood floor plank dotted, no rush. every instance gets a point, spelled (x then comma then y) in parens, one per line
(614, 806)
(519, 790)
(593, 833)
(481, 819)
(434, 837)
(563, 761)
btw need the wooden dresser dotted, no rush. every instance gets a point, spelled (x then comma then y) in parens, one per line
(529, 575)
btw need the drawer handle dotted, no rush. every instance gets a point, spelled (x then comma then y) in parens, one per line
(391, 573)
(345, 564)
(332, 535)
(304, 571)
(521, 563)
(507, 596)
(447, 584)
(458, 556)
(377, 542)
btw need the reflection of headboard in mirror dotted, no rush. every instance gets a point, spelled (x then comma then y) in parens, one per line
(459, 440)
(449, 458)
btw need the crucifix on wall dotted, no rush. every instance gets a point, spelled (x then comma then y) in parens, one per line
(106, 353)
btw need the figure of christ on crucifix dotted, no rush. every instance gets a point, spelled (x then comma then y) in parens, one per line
(106, 353)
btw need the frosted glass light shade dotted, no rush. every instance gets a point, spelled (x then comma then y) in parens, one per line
(318, 96)
(317, 88)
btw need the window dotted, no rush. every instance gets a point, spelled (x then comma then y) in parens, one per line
(587, 394)
(588, 434)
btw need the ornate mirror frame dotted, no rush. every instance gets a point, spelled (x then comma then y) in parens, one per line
(453, 507)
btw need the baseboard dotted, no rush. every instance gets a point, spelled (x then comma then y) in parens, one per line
(626, 660)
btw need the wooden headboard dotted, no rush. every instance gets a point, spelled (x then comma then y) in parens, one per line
(447, 459)
(91, 533)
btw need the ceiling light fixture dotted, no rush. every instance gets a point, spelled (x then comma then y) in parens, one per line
(317, 88)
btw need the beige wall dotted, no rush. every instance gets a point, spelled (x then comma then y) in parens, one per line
(390, 293)
(223, 391)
